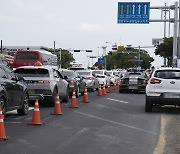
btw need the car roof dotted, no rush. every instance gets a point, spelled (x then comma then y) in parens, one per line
(168, 68)
(43, 66)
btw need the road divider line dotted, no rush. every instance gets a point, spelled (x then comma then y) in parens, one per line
(116, 123)
(12, 122)
(117, 100)
(110, 108)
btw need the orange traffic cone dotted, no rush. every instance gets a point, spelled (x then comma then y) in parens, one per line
(104, 90)
(99, 91)
(115, 87)
(36, 115)
(85, 97)
(109, 89)
(57, 107)
(73, 101)
(2, 129)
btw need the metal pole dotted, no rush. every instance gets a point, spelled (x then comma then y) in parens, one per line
(165, 31)
(175, 33)
(104, 51)
(60, 52)
(178, 51)
(139, 56)
(54, 47)
(1, 47)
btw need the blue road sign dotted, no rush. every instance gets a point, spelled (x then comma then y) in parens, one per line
(133, 12)
(101, 60)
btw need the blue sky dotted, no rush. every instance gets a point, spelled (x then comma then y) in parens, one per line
(76, 24)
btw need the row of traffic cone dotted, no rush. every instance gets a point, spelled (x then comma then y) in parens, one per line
(36, 120)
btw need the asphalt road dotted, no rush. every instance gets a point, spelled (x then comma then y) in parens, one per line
(111, 124)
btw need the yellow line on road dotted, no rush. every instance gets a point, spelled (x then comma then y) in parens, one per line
(161, 142)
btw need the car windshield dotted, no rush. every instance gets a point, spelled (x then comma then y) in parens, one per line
(109, 73)
(98, 72)
(27, 55)
(84, 73)
(68, 74)
(32, 72)
(167, 74)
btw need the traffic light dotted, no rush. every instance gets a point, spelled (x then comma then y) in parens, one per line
(76, 50)
(88, 50)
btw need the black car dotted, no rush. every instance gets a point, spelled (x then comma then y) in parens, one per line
(13, 92)
(75, 81)
(133, 81)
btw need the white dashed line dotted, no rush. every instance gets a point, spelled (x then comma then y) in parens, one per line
(117, 100)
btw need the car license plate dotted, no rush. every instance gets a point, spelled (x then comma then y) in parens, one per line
(171, 95)
(133, 87)
(31, 91)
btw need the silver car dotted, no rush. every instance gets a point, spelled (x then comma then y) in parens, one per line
(44, 82)
(90, 79)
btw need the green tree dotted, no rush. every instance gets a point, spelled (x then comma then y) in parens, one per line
(66, 57)
(165, 49)
(128, 60)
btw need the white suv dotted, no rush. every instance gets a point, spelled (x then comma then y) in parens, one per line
(163, 88)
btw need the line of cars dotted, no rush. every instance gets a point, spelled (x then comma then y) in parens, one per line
(27, 83)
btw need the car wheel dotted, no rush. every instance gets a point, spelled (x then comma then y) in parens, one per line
(67, 96)
(3, 106)
(148, 105)
(77, 92)
(53, 98)
(25, 106)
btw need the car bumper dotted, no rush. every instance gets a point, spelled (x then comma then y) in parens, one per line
(133, 87)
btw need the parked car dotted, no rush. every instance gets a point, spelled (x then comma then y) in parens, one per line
(44, 82)
(90, 79)
(163, 88)
(133, 81)
(102, 77)
(13, 93)
(75, 81)
(113, 78)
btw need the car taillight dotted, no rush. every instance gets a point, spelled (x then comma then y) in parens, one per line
(155, 81)
(43, 81)
(89, 78)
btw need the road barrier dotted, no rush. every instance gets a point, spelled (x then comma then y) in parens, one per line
(57, 107)
(36, 120)
(85, 97)
(104, 90)
(109, 89)
(2, 129)
(73, 101)
(99, 91)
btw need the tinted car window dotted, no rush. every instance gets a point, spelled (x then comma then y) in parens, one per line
(27, 55)
(84, 73)
(98, 72)
(68, 74)
(33, 72)
(167, 74)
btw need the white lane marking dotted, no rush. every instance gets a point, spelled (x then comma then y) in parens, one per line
(117, 100)
(107, 107)
(13, 122)
(117, 123)
(70, 140)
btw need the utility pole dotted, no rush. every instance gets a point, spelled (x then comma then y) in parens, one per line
(54, 47)
(60, 59)
(1, 47)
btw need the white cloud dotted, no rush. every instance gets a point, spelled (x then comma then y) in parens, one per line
(91, 27)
